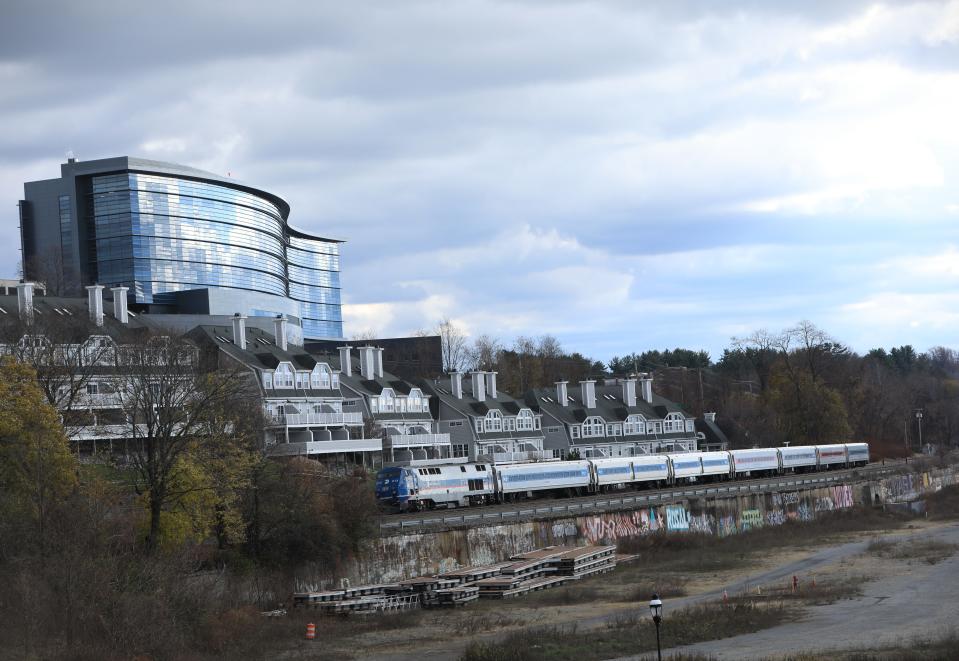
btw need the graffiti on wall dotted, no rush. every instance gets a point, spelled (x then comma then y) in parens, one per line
(677, 518)
(750, 519)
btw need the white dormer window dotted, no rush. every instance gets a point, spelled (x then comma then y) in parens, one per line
(415, 400)
(574, 431)
(479, 425)
(321, 377)
(635, 424)
(401, 405)
(493, 421)
(510, 424)
(268, 380)
(525, 420)
(673, 423)
(374, 404)
(386, 401)
(593, 427)
(283, 376)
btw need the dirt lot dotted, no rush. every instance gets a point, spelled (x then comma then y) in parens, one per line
(843, 563)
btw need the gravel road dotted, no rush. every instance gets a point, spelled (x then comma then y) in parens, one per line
(918, 602)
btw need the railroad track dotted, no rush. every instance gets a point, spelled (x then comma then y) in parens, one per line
(612, 501)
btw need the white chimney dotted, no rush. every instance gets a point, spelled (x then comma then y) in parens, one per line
(379, 362)
(239, 330)
(561, 393)
(629, 392)
(646, 383)
(709, 417)
(479, 385)
(491, 384)
(588, 390)
(279, 331)
(25, 301)
(367, 369)
(120, 304)
(95, 303)
(456, 384)
(346, 361)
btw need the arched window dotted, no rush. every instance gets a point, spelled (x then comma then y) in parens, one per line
(283, 376)
(321, 377)
(415, 401)
(635, 424)
(524, 420)
(494, 421)
(673, 423)
(387, 401)
(594, 426)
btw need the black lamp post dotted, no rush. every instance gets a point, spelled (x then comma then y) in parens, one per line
(656, 610)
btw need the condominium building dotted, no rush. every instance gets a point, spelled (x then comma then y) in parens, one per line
(180, 240)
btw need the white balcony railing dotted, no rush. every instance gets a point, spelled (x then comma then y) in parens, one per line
(97, 400)
(309, 419)
(515, 457)
(327, 447)
(417, 440)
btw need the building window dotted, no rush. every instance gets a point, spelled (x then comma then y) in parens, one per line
(302, 380)
(267, 380)
(92, 389)
(510, 424)
(479, 425)
(494, 421)
(593, 426)
(461, 450)
(524, 420)
(320, 378)
(635, 424)
(283, 376)
(574, 431)
(374, 404)
(673, 423)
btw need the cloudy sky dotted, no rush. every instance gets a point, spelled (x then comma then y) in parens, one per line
(621, 176)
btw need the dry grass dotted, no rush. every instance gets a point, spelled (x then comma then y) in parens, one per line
(630, 634)
(930, 551)
(944, 647)
(944, 504)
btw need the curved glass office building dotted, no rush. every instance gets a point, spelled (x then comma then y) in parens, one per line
(162, 229)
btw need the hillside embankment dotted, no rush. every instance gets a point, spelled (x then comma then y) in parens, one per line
(397, 557)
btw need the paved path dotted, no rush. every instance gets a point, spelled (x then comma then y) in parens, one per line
(920, 602)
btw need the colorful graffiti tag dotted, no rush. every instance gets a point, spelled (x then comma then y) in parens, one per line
(677, 518)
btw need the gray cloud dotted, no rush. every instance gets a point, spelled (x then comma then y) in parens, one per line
(621, 175)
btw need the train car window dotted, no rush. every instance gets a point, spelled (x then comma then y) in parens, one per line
(480, 467)
(463, 469)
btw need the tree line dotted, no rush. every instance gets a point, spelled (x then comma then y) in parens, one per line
(797, 385)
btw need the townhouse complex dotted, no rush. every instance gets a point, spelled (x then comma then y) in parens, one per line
(190, 253)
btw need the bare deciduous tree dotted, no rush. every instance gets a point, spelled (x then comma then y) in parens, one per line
(175, 409)
(453, 345)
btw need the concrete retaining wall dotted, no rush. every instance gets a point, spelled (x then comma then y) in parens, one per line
(398, 557)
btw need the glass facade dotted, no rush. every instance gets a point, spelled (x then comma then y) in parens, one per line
(66, 238)
(314, 281)
(158, 234)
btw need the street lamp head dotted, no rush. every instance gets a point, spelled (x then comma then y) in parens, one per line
(656, 608)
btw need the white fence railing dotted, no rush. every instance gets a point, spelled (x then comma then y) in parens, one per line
(327, 447)
(417, 440)
(307, 419)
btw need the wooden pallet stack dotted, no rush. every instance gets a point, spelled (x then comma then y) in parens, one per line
(526, 572)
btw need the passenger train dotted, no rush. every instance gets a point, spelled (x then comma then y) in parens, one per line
(410, 488)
